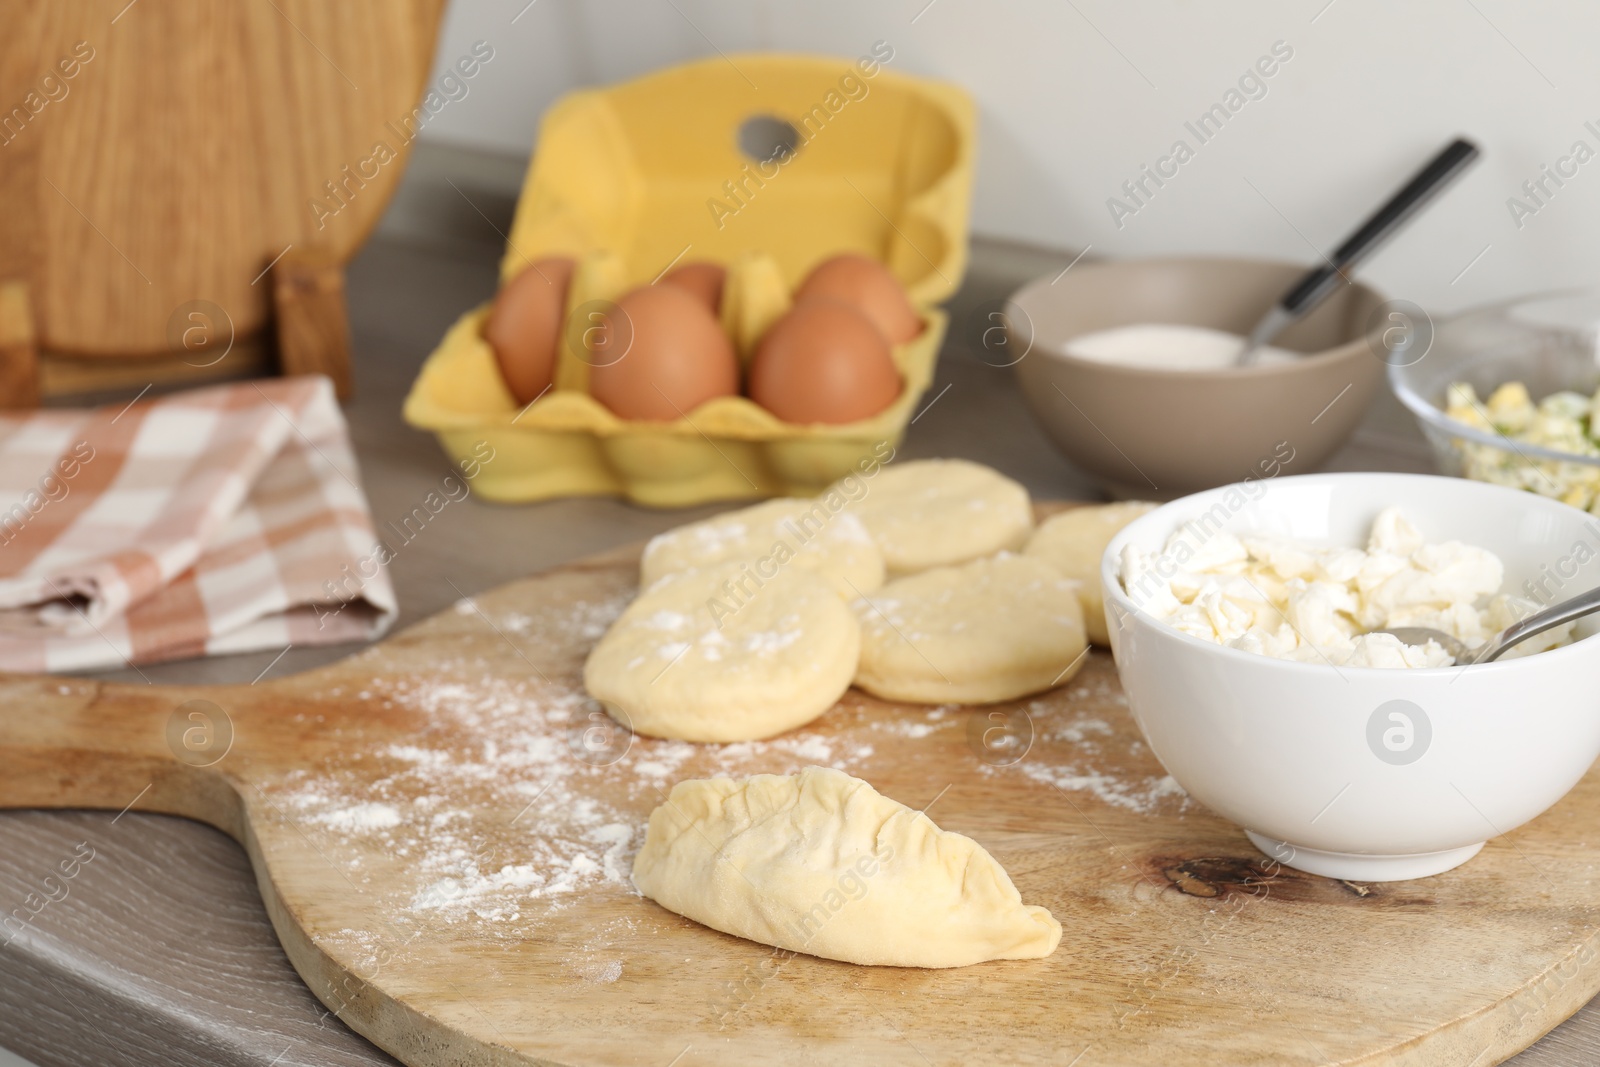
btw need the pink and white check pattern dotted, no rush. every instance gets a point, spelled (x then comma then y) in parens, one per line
(210, 521)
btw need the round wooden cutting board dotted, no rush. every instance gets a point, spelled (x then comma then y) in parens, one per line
(442, 828)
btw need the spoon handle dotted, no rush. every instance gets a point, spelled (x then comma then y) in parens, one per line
(1383, 223)
(1381, 226)
(1315, 285)
(1539, 622)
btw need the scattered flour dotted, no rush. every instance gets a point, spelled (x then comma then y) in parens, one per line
(505, 814)
(609, 971)
(508, 828)
(360, 817)
(1144, 796)
(1085, 737)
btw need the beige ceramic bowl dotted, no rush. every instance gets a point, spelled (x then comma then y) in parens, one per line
(1158, 434)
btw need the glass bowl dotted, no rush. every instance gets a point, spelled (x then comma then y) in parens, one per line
(1550, 343)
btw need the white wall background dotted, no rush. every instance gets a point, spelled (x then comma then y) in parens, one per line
(1074, 95)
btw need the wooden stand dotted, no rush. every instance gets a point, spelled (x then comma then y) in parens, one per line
(237, 182)
(19, 357)
(311, 335)
(313, 327)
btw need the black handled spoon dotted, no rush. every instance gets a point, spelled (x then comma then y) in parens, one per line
(1384, 223)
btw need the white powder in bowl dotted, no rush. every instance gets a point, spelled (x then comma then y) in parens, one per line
(1162, 346)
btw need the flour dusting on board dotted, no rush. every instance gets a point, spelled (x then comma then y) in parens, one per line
(1085, 738)
(505, 810)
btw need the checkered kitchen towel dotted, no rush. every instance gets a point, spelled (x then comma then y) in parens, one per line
(211, 521)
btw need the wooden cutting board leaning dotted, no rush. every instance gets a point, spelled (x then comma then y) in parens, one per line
(442, 828)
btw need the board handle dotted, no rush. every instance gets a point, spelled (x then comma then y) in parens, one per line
(72, 743)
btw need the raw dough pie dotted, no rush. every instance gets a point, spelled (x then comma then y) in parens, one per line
(723, 654)
(936, 512)
(990, 630)
(1073, 542)
(820, 862)
(809, 533)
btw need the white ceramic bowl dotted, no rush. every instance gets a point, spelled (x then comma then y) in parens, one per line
(1357, 772)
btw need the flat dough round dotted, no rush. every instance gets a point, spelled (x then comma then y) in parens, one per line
(725, 654)
(786, 532)
(1073, 542)
(993, 629)
(822, 863)
(938, 512)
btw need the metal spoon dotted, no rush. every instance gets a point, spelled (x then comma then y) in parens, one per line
(1537, 623)
(1315, 286)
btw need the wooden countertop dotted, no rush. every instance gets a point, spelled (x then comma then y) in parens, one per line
(161, 952)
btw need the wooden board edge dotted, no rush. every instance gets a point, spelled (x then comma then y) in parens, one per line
(1501, 1030)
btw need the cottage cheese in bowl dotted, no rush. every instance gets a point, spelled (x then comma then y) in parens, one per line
(1237, 624)
(1280, 597)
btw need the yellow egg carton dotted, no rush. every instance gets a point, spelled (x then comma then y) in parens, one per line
(766, 164)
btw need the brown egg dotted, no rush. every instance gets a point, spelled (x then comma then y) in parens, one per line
(658, 353)
(824, 361)
(704, 280)
(866, 285)
(524, 326)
